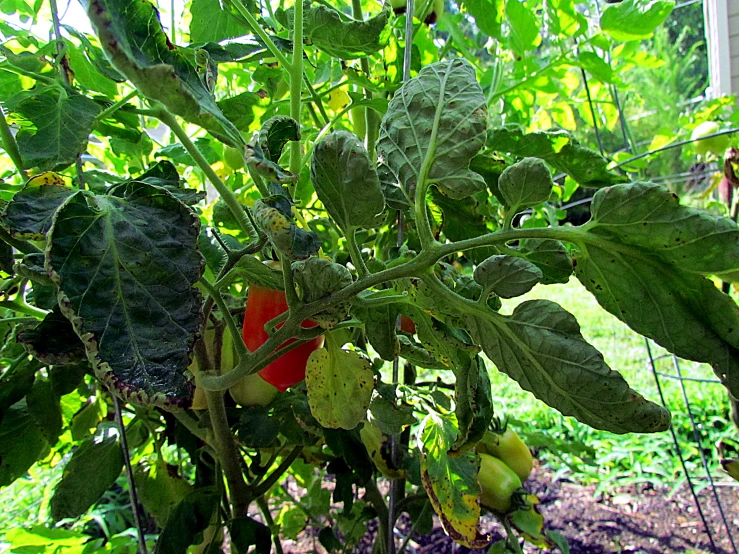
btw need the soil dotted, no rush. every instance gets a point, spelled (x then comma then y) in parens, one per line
(636, 519)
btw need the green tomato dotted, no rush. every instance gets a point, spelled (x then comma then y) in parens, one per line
(511, 449)
(233, 157)
(497, 483)
(715, 145)
(252, 390)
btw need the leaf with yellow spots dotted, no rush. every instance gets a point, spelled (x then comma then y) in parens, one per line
(378, 447)
(338, 99)
(28, 215)
(451, 482)
(340, 384)
(274, 215)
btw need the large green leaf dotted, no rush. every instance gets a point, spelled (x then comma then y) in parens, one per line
(683, 312)
(28, 215)
(434, 126)
(523, 27)
(92, 470)
(558, 149)
(651, 217)
(488, 15)
(507, 276)
(451, 481)
(125, 266)
(635, 19)
(540, 346)
(62, 122)
(346, 182)
(211, 23)
(21, 443)
(133, 38)
(337, 34)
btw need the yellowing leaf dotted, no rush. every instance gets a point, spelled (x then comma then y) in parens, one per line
(338, 100)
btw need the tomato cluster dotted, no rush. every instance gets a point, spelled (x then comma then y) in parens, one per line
(505, 463)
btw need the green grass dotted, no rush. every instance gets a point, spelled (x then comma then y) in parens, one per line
(574, 450)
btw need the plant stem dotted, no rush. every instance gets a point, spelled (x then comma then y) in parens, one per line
(287, 277)
(268, 42)
(228, 453)
(316, 99)
(262, 488)
(355, 253)
(296, 81)
(369, 114)
(226, 193)
(23, 308)
(375, 497)
(10, 146)
(264, 508)
(110, 110)
(215, 294)
(129, 475)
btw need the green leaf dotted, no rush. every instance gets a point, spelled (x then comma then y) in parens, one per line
(62, 123)
(239, 109)
(525, 184)
(685, 313)
(389, 417)
(316, 279)
(418, 355)
(524, 27)
(126, 267)
(274, 216)
(379, 326)
(540, 347)
(551, 257)
(159, 490)
(187, 520)
(488, 15)
(463, 220)
(257, 427)
(337, 34)
(211, 23)
(21, 443)
(596, 66)
(246, 532)
(133, 38)
(507, 276)
(28, 215)
(635, 19)
(92, 470)
(86, 74)
(15, 384)
(275, 133)
(43, 405)
(164, 174)
(346, 182)
(650, 216)
(340, 384)
(451, 482)
(434, 126)
(561, 151)
(473, 404)
(53, 341)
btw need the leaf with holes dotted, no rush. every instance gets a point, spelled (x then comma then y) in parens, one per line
(126, 266)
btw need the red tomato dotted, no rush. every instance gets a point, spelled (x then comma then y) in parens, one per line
(263, 305)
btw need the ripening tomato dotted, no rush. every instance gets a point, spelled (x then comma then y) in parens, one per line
(508, 447)
(263, 305)
(407, 325)
(497, 483)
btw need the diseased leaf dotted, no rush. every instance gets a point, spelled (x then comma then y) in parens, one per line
(561, 151)
(378, 448)
(63, 122)
(164, 174)
(525, 184)
(133, 38)
(126, 267)
(473, 404)
(507, 276)
(451, 482)
(540, 347)
(340, 384)
(635, 19)
(53, 341)
(379, 326)
(21, 443)
(685, 313)
(346, 182)
(551, 257)
(316, 279)
(339, 35)
(434, 126)
(651, 217)
(92, 470)
(28, 215)
(417, 355)
(391, 418)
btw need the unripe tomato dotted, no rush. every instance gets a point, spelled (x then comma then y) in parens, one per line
(497, 483)
(263, 305)
(511, 449)
(714, 145)
(233, 157)
(252, 390)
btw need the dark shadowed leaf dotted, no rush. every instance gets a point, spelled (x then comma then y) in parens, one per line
(28, 215)
(473, 404)
(21, 443)
(187, 520)
(43, 405)
(551, 257)
(53, 341)
(379, 325)
(246, 532)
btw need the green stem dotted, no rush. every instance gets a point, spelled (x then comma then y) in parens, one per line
(287, 277)
(228, 453)
(10, 146)
(226, 193)
(254, 24)
(264, 508)
(382, 300)
(355, 253)
(369, 114)
(296, 81)
(316, 99)
(263, 487)
(23, 308)
(375, 498)
(512, 538)
(215, 294)
(110, 110)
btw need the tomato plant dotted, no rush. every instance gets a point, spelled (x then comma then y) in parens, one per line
(150, 171)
